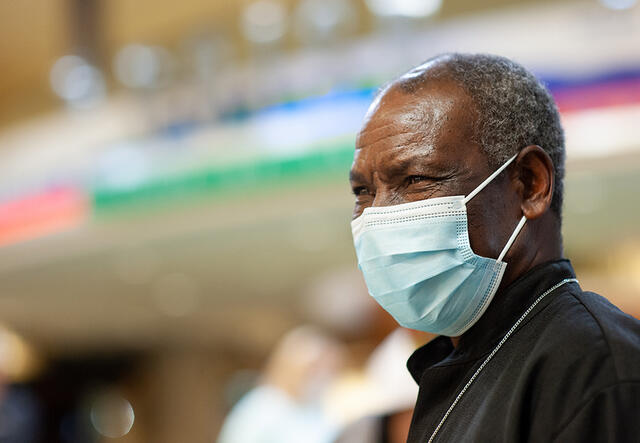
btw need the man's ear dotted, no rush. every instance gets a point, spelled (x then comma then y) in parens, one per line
(535, 180)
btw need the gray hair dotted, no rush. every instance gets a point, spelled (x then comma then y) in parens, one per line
(514, 108)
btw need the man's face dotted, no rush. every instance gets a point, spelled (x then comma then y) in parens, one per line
(418, 146)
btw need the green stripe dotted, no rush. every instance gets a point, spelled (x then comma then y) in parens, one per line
(333, 163)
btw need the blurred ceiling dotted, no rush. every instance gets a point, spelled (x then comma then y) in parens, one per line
(35, 33)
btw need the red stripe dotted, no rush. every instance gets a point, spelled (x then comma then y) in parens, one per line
(40, 214)
(620, 93)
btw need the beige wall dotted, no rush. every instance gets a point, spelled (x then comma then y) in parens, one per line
(33, 33)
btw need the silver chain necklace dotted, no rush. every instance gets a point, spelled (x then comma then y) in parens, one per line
(495, 350)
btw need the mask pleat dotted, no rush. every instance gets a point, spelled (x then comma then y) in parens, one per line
(453, 306)
(427, 303)
(399, 240)
(404, 267)
(425, 291)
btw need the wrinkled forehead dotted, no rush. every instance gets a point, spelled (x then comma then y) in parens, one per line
(432, 111)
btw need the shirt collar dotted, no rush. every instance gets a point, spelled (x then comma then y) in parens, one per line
(501, 314)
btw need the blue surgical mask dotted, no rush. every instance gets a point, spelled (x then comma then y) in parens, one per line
(418, 264)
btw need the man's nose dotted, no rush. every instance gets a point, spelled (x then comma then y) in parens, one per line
(386, 196)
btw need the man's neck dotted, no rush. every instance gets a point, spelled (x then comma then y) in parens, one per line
(549, 247)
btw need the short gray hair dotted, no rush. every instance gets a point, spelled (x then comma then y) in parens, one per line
(514, 108)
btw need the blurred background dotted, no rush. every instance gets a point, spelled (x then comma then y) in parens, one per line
(174, 205)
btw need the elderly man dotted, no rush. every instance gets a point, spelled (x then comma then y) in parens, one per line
(457, 176)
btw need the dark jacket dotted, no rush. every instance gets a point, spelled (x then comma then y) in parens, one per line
(569, 373)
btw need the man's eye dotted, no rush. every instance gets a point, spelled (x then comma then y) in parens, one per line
(413, 179)
(360, 190)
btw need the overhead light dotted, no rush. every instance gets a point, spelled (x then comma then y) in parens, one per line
(264, 21)
(18, 360)
(140, 66)
(112, 415)
(619, 5)
(324, 20)
(77, 82)
(404, 8)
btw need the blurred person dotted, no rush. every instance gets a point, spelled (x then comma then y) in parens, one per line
(373, 396)
(20, 418)
(286, 406)
(380, 403)
(457, 172)
(390, 427)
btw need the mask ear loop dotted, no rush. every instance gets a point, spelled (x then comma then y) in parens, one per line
(515, 233)
(482, 185)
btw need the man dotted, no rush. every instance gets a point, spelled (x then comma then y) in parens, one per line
(457, 176)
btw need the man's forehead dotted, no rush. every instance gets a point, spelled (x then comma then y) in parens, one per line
(396, 113)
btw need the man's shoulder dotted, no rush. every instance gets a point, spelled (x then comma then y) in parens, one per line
(595, 372)
(581, 353)
(586, 326)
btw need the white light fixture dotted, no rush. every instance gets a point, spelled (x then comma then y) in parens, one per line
(264, 21)
(142, 67)
(111, 415)
(619, 5)
(77, 82)
(404, 8)
(323, 20)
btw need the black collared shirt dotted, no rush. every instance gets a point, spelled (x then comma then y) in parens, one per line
(569, 373)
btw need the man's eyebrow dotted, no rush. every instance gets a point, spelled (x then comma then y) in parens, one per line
(400, 167)
(355, 176)
(421, 162)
